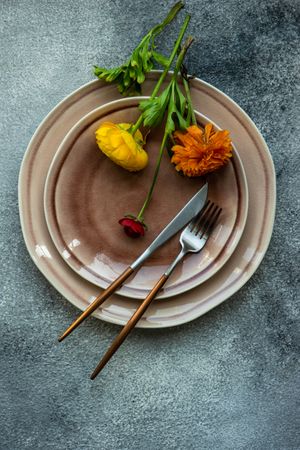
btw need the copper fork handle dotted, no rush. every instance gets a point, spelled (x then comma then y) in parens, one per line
(98, 301)
(130, 325)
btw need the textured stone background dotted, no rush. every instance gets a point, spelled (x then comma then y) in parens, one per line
(225, 381)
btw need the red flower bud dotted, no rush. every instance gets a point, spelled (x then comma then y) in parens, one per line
(132, 227)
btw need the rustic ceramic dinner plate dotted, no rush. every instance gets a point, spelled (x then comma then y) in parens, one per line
(86, 194)
(182, 308)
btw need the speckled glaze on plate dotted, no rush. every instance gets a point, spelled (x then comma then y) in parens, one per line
(250, 250)
(86, 194)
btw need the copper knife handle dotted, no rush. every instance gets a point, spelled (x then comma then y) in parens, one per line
(130, 325)
(98, 301)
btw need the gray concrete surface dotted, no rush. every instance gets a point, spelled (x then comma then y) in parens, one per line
(229, 380)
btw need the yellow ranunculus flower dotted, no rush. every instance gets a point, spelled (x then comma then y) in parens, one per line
(121, 147)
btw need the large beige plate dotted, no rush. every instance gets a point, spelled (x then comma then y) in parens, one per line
(260, 174)
(85, 195)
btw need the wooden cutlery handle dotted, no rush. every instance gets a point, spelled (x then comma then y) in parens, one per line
(130, 325)
(98, 301)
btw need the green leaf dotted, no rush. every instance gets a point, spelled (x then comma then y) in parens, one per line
(176, 110)
(130, 75)
(145, 53)
(181, 121)
(107, 75)
(170, 125)
(160, 59)
(127, 77)
(154, 109)
(180, 100)
(140, 75)
(132, 72)
(134, 60)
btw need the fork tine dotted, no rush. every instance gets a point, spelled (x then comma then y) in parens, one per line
(210, 222)
(213, 222)
(209, 217)
(203, 219)
(197, 218)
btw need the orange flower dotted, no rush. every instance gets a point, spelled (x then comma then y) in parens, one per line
(201, 151)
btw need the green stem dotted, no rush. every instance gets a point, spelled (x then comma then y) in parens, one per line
(165, 72)
(166, 134)
(172, 56)
(189, 100)
(181, 56)
(150, 192)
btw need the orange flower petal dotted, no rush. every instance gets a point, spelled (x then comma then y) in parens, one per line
(198, 151)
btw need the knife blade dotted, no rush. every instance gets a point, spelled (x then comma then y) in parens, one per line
(185, 215)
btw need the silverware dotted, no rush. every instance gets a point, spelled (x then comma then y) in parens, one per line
(193, 238)
(187, 213)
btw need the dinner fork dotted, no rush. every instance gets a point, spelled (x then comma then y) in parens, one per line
(192, 240)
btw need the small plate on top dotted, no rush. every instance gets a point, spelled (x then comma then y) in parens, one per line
(86, 194)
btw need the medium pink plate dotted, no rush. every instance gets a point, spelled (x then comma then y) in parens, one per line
(86, 194)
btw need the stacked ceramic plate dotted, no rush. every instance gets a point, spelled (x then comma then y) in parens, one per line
(71, 198)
